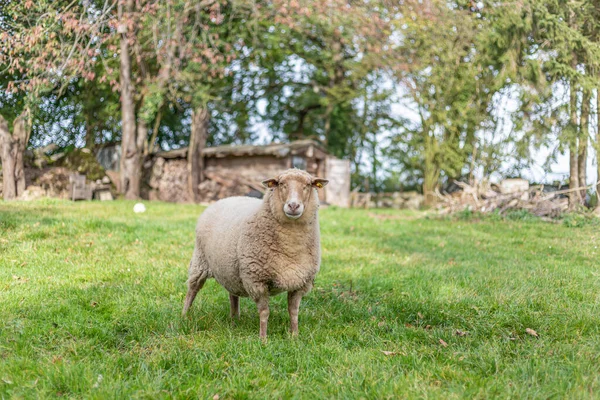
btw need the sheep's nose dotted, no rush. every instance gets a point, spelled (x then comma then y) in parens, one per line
(293, 206)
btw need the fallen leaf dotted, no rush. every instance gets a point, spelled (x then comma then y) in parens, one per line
(461, 333)
(389, 353)
(443, 343)
(420, 315)
(409, 325)
(532, 332)
(216, 397)
(428, 327)
(93, 303)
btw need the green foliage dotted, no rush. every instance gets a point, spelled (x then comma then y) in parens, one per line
(84, 162)
(579, 220)
(92, 293)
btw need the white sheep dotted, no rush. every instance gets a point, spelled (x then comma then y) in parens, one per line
(259, 248)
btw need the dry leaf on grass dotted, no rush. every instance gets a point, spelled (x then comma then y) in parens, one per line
(461, 333)
(532, 332)
(389, 353)
(443, 343)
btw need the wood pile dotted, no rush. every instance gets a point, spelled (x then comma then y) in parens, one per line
(218, 186)
(485, 198)
(167, 180)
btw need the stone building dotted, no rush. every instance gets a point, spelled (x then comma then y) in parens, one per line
(239, 170)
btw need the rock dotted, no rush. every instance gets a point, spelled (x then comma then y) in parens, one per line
(415, 202)
(104, 195)
(55, 181)
(84, 162)
(33, 193)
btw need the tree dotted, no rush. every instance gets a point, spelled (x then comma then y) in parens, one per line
(564, 35)
(44, 45)
(316, 64)
(448, 89)
(171, 53)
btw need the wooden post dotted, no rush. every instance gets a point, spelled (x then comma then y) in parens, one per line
(198, 136)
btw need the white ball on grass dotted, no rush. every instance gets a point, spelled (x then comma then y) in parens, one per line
(139, 208)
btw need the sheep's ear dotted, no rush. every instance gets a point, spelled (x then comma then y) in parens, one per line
(270, 183)
(319, 183)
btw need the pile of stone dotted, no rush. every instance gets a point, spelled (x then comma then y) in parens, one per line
(399, 200)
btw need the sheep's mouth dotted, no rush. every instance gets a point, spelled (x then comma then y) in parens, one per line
(293, 215)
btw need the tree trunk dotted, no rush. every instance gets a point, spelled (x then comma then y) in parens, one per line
(430, 171)
(90, 141)
(598, 150)
(12, 148)
(131, 153)
(575, 196)
(8, 154)
(198, 136)
(583, 144)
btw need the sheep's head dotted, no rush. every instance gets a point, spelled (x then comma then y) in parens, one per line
(294, 193)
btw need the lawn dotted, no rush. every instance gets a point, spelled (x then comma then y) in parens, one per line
(405, 306)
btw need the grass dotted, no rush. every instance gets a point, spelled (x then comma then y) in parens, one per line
(91, 295)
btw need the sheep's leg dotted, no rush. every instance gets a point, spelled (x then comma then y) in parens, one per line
(234, 302)
(262, 303)
(197, 276)
(294, 299)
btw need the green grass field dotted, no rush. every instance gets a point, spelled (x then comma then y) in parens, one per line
(91, 295)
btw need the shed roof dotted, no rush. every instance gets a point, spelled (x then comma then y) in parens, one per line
(274, 149)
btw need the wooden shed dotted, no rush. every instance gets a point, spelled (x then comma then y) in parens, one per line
(238, 170)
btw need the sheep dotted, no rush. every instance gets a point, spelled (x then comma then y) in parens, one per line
(260, 248)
